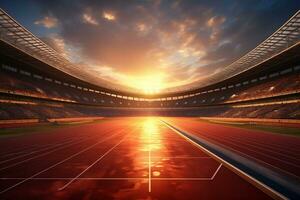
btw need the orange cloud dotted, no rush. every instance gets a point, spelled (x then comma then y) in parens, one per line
(58, 44)
(175, 42)
(214, 23)
(89, 19)
(47, 21)
(109, 16)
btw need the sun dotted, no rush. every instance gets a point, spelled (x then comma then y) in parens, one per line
(148, 84)
(151, 85)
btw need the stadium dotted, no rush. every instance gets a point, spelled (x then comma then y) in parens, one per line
(230, 135)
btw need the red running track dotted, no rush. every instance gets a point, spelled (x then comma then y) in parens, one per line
(118, 158)
(280, 153)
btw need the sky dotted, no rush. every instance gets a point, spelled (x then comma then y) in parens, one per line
(151, 45)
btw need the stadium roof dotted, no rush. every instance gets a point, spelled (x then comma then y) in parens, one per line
(14, 34)
(286, 36)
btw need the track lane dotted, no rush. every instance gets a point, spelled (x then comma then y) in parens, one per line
(39, 162)
(230, 138)
(151, 162)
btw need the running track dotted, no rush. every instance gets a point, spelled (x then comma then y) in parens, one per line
(280, 153)
(118, 158)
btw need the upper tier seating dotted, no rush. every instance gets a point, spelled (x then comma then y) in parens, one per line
(30, 85)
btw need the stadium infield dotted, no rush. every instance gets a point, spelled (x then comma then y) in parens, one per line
(121, 158)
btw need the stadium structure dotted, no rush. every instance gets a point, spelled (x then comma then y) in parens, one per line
(38, 85)
(264, 83)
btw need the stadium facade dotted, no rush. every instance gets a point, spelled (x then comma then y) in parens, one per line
(38, 83)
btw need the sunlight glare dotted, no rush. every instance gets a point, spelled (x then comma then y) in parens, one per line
(150, 84)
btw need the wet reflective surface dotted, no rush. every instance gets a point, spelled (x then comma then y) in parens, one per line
(122, 158)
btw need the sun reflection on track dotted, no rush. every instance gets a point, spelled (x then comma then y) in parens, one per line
(143, 160)
(151, 138)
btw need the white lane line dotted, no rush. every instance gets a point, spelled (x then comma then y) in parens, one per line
(36, 147)
(249, 156)
(274, 194)
(218, 169)
(182, 179)
(52, 166)
(117, 178)
(149, 167)
(149, 160)
(253, 158)
(43, 154)
(36, 151)
(234, 143)
(181, 157)
(273, 146)
(17, 151)
(79, 178)
(86, 169)
(266, 147)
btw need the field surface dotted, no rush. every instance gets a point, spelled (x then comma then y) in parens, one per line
(135, 158)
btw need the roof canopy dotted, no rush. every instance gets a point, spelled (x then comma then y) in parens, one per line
(14, 34)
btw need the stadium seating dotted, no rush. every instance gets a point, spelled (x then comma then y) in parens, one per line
(44, 99)
(43, 111)
(30, 86)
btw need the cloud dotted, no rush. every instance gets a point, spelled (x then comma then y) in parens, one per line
(181, 41)
(109, 16)
(47, 21)
(215, 21)
(58, 44)
(89, 19)
(141, 27)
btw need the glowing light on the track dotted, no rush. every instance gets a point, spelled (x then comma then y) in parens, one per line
(156, 173)
(151, 134)
(151, 139)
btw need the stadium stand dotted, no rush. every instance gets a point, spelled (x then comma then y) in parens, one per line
(34, 88)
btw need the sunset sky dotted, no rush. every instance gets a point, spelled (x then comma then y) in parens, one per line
(151, 45)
